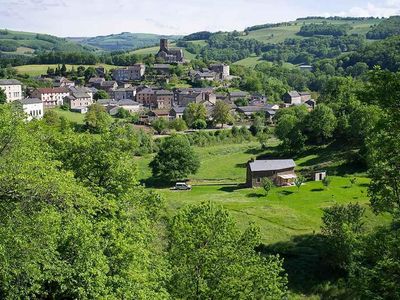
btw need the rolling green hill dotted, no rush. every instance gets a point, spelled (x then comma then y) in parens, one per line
(123, 41)
(26, 42)
(280, 33)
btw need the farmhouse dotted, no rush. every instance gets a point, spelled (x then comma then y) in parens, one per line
(124, 93)
(33, 107)
(155, 98)
(170, 55)
(12, 89)
(222, 71)
(177, 112)
(280, 171)
(292, 98)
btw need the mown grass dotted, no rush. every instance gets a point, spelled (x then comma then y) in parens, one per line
(71, 116)
(285, 212)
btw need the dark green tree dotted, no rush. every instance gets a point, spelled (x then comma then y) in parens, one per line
(175, 160)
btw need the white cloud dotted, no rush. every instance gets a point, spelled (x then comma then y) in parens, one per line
(386, 9)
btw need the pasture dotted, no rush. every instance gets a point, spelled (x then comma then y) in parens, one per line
(282, 214)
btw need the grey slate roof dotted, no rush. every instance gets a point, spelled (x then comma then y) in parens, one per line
(178, 109)
(9, 82)
(30, 101)
(106, 102)
(271, 165)
(127, 102)
(238, 94)
(294, 94)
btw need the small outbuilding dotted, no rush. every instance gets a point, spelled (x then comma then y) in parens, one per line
(280, 171)
(319, 175)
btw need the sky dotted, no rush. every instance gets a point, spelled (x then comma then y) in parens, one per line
(83, 18)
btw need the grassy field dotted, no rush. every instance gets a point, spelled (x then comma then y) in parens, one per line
(285, 212)
(70, 116)
(37, 70)
(279, 34)
(250, 62)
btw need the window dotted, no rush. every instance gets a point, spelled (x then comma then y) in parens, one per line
(258, 180)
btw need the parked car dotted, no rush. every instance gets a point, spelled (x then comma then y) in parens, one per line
(182, 186)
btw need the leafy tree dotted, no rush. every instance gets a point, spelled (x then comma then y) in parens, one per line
(299, 181)
(263, 138)
(97, 119)
(221, 113)
(258, 124)
(175, 159)
(321, 123)
(160, 125)
(326, 181)
(211, 259)
(3, 97)
(199, 124)
(101, 95)
(194, 112)
(353, 181)
(178, 124)
(123, 113)
(342, 224)
(52, 118)
(242, 102)
(267, 185)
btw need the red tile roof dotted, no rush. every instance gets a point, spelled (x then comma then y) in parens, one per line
(58, 90)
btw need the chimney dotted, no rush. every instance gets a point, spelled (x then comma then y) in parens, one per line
(164, 44)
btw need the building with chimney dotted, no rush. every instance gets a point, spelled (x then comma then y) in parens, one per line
(170, 55)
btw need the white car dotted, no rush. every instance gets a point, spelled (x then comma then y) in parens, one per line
(182, 186)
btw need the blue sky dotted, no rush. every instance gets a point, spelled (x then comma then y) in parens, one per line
(101, 17)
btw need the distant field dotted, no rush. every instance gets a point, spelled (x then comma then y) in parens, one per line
(279, 34)
(37, 70)
(250, 62)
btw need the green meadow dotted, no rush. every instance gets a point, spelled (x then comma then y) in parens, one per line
(282, 214)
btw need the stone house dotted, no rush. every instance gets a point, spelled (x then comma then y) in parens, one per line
(135, 72)
(51, 97)
(96, 82)
(12, 88)
(222, 71)
(124, 93)
(79, 98)
(177, 112)
(292, 98)
(280, 171)
(108, 86)
(155, 98)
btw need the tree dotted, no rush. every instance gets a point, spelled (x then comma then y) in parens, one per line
(326, 181)
(194, 112)
(221, 113)
(263, 138)
(97, 119)
(160, 125)
(211, 259)
(321, 123)
(52, 118)
(123, 113)
(175, 160)
(199, 124)
(299, 181)
(101, 95)
(3, 97)
(341, 225)
(353, 181)
(63, 70)
(267, 185)
(178, 124)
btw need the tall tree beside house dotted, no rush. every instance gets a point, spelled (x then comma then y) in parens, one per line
(175, 160)
(221, 113)
(97, 119)
(212, 259)
(160, 125)
(3, 97)
(194, 112)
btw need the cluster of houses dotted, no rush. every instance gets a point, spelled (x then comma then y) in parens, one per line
(127, 91)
